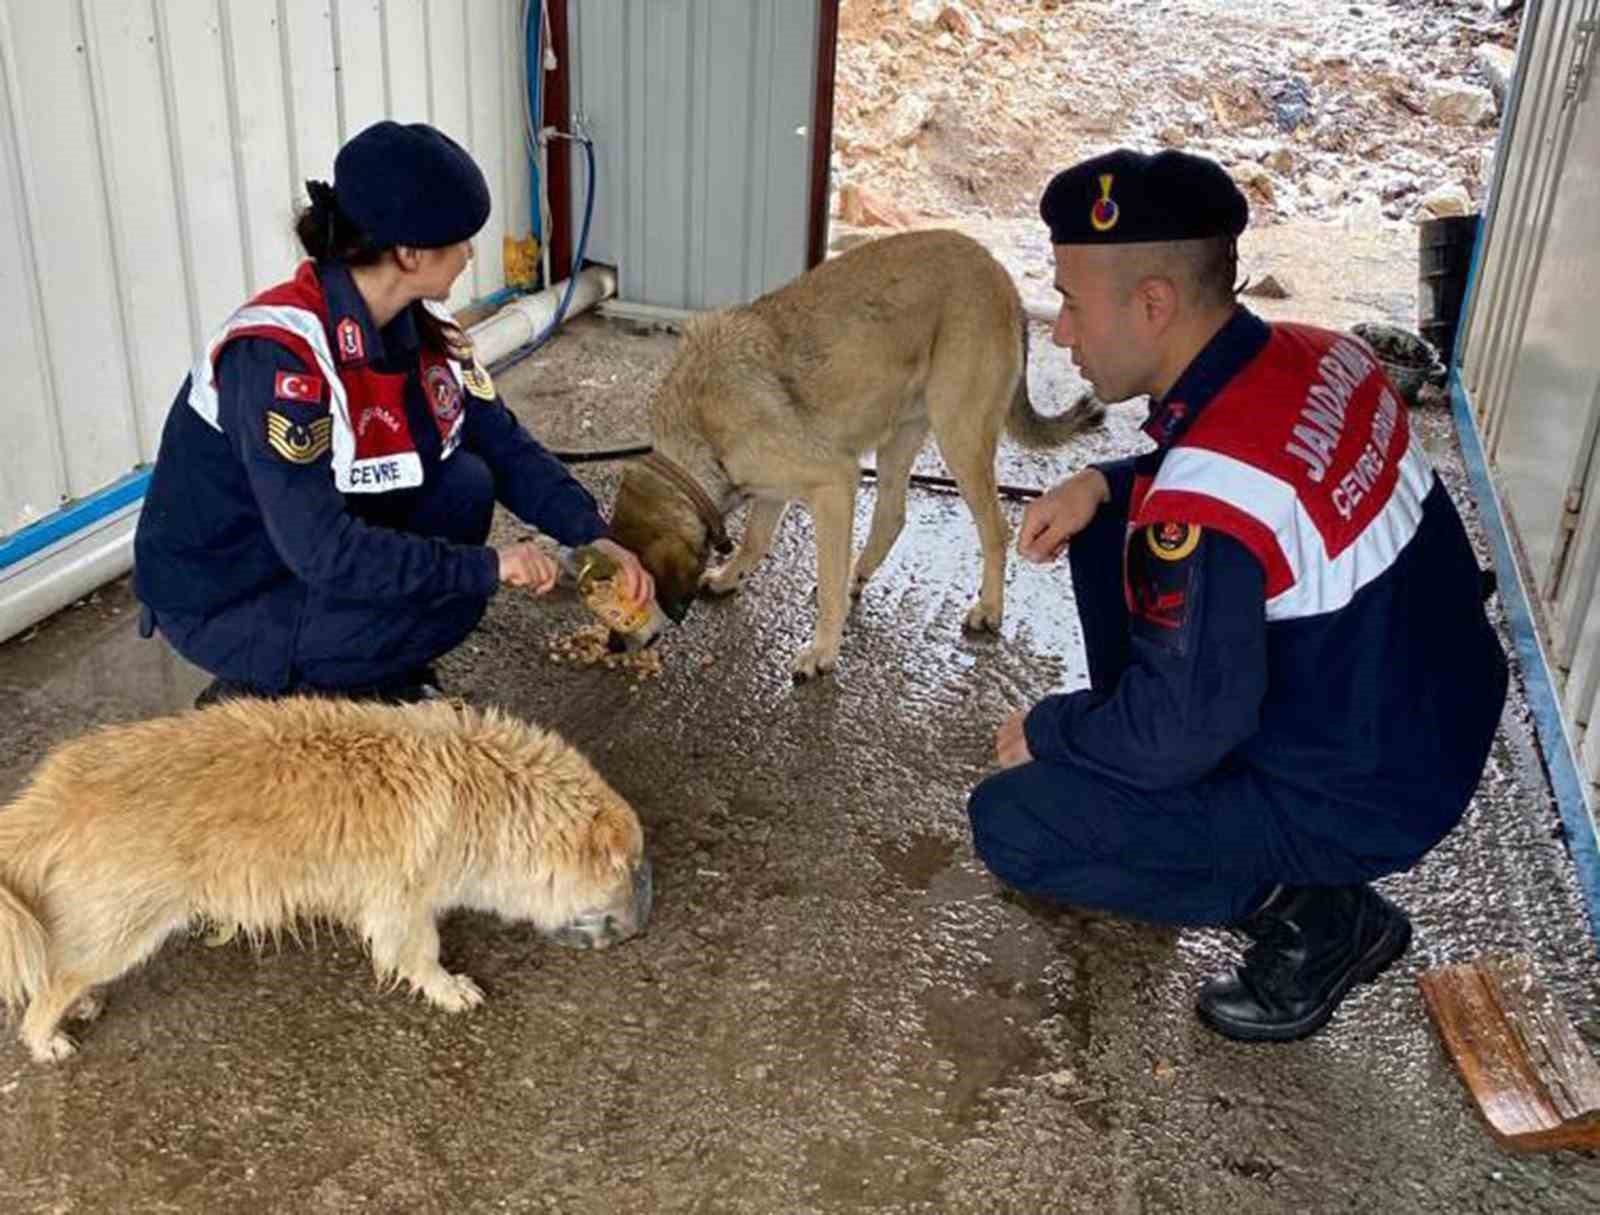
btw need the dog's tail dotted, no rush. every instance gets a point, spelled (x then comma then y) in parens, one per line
(1036, 430)
(22, 949)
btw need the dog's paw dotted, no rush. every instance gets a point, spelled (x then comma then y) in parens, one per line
(87, 1008)
(53, 1049)
(722, 580)
(453, 993)
(982, 618)
(813, 661)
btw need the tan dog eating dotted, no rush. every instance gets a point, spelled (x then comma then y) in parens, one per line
(778, 401)
(252, 815)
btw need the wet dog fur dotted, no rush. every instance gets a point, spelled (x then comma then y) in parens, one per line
(253, 816)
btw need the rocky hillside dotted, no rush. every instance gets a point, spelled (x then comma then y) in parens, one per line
(1367, 111)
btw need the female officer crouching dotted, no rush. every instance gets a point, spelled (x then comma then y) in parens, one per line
(317, 516)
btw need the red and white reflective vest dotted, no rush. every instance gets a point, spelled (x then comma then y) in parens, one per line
(1326, 494)
(372, 446)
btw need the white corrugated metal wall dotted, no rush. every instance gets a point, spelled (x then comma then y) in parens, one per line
(701, 113)
(1530, 360)
(152, 154)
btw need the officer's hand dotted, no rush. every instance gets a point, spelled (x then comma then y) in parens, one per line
(1010, 743)
(637, 583)
(1055, 517)
(526, 564)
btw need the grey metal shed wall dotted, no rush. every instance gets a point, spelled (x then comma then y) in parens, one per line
(700, 112)
(151, 158)
(1530, 364)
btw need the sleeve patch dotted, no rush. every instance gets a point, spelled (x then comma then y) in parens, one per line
(1172, 541)
(477, 380)
(299, 442)
(299, 386)
(1163, 583)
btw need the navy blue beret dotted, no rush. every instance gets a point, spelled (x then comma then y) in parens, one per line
(410, 185)
(1125, 197)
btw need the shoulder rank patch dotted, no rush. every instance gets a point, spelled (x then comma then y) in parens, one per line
(349, 342)
(1172, 541)
(477, 380)
(299, 442)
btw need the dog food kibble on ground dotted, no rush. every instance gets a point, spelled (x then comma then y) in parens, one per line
(586, 647)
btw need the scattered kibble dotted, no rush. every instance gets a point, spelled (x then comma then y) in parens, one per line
(586, 647)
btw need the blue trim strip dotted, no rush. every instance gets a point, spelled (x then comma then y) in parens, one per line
(1566, 782)
(58, 526)
(496, 298)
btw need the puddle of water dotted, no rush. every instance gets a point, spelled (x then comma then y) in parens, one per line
(917, 860)
(985, 1037)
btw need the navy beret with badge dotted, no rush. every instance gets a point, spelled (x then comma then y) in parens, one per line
(1127, 197)
(410, 185)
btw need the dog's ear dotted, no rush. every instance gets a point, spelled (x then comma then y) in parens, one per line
(615, 840)
(659, 536)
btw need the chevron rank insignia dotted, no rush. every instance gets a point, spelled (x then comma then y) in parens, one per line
(477, 380)
(299, 442)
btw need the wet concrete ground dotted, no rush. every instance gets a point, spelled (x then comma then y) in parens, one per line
(835, 1007)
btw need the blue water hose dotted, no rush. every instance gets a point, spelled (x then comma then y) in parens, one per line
(523, 352)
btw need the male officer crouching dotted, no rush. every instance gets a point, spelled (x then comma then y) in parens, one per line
(1294, 685)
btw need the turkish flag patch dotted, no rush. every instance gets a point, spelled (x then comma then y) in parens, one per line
(298, 386)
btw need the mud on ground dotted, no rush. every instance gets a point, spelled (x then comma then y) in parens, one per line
(835, 1009)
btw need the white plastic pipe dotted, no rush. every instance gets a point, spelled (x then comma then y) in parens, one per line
(524, 319)
(67, 571)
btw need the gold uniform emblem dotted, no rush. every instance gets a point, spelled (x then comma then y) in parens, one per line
(1173, 541)
(477, 379)
(299, 442)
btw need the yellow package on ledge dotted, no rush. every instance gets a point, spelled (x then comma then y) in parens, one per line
(521, 257)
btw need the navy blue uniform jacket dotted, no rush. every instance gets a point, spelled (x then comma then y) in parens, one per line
(234, 507)
(1303, 602)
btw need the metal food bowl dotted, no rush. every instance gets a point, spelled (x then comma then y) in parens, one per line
(1408, 359)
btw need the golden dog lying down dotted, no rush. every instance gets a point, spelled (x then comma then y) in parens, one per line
(251, 815)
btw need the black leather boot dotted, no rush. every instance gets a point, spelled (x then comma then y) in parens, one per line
(220, 689)
(418, 687)
(1312, 945)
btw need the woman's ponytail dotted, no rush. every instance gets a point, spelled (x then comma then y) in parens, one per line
(326, 232)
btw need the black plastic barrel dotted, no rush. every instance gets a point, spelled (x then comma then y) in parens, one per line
(1443, 260)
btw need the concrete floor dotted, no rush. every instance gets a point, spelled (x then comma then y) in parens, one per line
(835, 1008)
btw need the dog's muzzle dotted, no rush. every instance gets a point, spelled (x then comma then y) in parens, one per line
(607, 926)
(642, 639)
